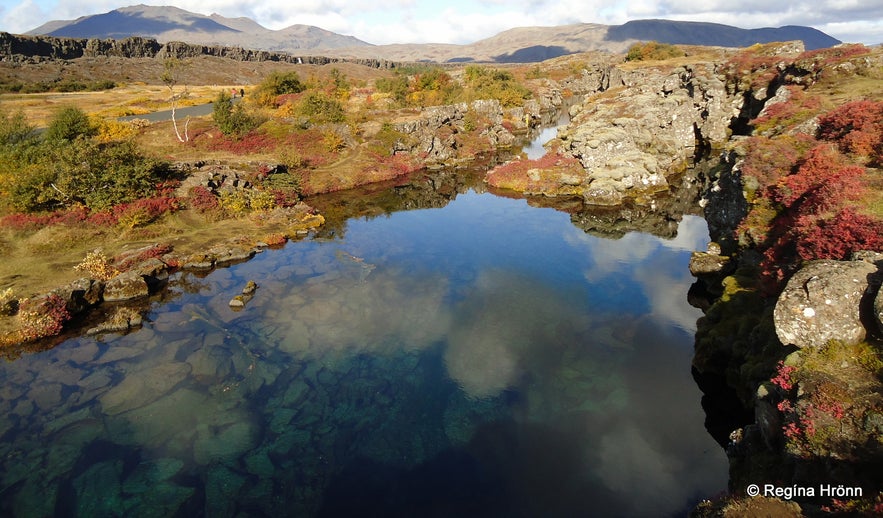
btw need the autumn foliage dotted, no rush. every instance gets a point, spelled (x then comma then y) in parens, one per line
(857, 128)
(806, 202)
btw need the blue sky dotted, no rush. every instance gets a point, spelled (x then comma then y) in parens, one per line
(460, 21)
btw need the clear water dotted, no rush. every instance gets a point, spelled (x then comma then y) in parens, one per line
(486, 358)
(535, 148)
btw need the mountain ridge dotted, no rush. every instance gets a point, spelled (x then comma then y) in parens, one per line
(519, 44)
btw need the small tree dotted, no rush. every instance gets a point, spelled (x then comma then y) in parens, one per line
(276, 84)
(68, 124)
(232, 119)
(15, 129)
(172, 68)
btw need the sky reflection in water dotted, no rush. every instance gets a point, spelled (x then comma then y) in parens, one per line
(487, 357)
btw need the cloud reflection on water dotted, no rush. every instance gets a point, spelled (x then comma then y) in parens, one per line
(490, 329)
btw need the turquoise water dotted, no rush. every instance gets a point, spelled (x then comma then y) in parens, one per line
(485, 358)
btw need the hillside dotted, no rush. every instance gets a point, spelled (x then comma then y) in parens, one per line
(695, 33)
(517, 45)
(173, 24)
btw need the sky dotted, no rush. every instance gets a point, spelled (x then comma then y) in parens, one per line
(459, 21)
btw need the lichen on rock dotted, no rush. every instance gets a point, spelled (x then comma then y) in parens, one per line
(821, 302)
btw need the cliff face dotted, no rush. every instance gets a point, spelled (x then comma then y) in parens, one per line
(634, 129)
(18, 48)
(642, 126)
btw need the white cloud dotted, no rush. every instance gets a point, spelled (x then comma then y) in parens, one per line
(22, 17)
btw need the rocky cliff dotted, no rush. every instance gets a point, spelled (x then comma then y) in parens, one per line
(18, 48)
(791, 374)
(635, 128)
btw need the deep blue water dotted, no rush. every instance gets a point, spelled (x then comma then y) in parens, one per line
(486, 358)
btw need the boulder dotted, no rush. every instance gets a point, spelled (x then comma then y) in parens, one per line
(705, 263)
(821, 303)
(81, 294)
(126, 286)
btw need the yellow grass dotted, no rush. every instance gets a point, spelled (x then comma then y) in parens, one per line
(133, 99)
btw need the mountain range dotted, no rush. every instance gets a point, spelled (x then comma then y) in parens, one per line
(524, 44)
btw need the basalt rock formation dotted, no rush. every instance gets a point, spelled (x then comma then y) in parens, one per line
(19, 48)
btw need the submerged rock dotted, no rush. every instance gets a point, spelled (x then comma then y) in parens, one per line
(142, 387)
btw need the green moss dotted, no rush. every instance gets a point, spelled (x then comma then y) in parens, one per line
(834, 354)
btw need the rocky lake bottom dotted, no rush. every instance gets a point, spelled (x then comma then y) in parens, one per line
(485, 358)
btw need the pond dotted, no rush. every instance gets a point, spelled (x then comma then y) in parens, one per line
(479, 356)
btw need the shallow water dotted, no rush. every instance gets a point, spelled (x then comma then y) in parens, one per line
(486, 358)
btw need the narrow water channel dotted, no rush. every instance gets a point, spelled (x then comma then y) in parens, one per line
(478, 356)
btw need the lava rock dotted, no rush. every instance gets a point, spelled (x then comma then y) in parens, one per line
(821, 303)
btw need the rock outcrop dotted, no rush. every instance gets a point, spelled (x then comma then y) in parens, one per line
(457, 132)
(644, 126)
(821, 302)
(20, 48)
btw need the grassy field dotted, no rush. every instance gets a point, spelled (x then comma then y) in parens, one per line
(130, 99)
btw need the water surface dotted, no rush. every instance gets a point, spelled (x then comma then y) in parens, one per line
(485, 358)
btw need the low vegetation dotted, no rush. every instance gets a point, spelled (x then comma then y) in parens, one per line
(59, 85)
(432, 86)
(809, 191)
(652, 51)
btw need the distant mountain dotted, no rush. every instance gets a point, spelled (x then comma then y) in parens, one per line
(700, 33)
(523, 44)
(532, 44)
(173, 24)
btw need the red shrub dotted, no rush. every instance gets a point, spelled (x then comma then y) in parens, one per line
(768, 159)
(285, 197)
(821, 182)
(783, 378)
(21, 221)
(153, 208)
(828, 57)
(857, 127)
(43, 317)
(103, 219)
(310, 145)
(202, 199)
(248, 144)
(840, 236)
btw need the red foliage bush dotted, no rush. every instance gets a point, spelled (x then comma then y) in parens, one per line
(103, 219)
(250, 143)
(809, 213)
(43, 317)
(25, 221)
(827, 57)
(783, 378)
(149, 208)
(821, 182)
(761, 69)
(857, 127)
(768, 160)
(152, 208)
(310, 145)
(285, 197)
(202, 199)
(840, 236)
